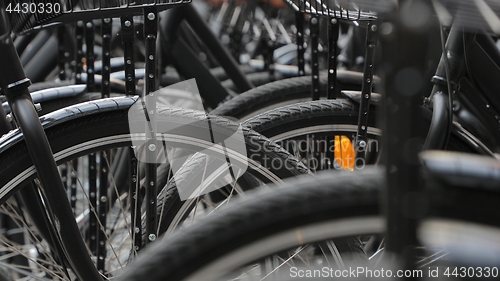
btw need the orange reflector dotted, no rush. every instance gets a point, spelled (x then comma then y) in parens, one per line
(344, 153)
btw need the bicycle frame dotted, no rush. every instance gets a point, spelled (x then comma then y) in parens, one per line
(57, 207)
(187, 62)
(472, 58)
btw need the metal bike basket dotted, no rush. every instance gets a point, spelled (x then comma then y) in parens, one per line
(339, 9)
(28, 15)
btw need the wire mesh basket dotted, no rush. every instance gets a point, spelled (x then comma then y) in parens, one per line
(471, 14)
(27, 15)
(339, 9)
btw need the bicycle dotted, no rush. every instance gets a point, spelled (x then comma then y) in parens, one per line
(462, 139)
(275, 233)
(404, 201)
(95, 132)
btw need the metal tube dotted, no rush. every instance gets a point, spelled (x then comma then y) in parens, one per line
(61, 52)
(90, 56)
(366, 92)
(43, 62)
(314, 27)
(437, 131)
(106, 57)
(299, 17)
(150, 33)
(127, 23)
(35, 45)
(79, 31)
(222, 55)
(53, 189)
(333, 37)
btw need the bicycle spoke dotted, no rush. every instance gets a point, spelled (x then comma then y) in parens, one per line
(22, 225)
(101, 227)
(279, 266)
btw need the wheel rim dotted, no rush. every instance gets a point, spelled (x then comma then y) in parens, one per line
(286, 240)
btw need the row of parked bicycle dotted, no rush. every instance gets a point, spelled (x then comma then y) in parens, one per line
(249, 140)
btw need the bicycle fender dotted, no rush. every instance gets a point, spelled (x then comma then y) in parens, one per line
(69, 113)
(52, 94)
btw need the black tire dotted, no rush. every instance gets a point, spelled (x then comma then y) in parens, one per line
(321, 113)
(90, 132)
(276, 94)
(307, 210)
(303, 203)
(465, 180)
(312, 131)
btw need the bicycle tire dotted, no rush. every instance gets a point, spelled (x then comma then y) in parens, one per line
(102, 125)
(258, 216)
(312, 131)
(264, 223)
(326, 115)
(280, 93)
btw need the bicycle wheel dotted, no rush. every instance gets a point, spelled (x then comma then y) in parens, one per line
(99, 130)
(300, 118)
(315, 124)
(296, 121)
(234, 242)
(327, 117)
